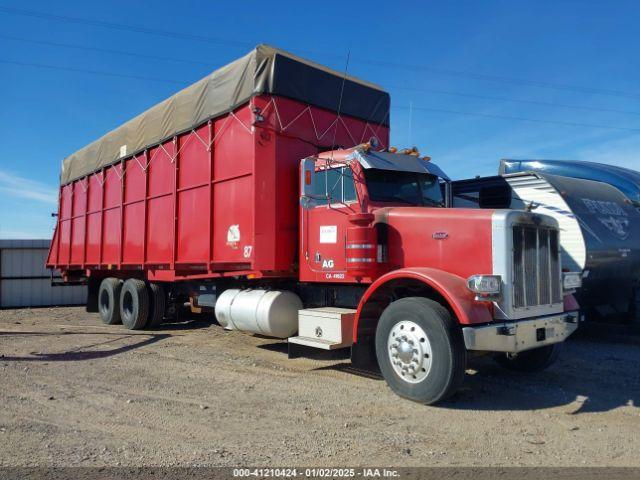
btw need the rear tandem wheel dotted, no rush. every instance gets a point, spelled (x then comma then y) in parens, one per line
(109, 301)
(157, 305)
(134, 304)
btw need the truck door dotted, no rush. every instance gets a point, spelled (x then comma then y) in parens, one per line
(324, 219)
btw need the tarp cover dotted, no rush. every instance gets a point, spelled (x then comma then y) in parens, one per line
(265, 70)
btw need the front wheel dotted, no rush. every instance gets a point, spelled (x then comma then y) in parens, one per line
(420, 350)
(529, 361)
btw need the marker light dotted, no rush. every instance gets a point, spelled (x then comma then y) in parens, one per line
(571, 280)
(486, 287)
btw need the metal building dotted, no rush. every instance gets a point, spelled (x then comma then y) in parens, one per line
(24, 280)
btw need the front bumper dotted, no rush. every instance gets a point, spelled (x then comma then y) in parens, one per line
(518, 336)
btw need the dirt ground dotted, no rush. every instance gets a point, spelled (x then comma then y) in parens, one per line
(76, 392)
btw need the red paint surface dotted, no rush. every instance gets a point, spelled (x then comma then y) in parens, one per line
(361, 245)
(222, 200)
(465, 251)
(167, 211)
(437, 246)
(405, 233)
(452, 287)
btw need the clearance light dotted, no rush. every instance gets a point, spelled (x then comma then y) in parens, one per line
(486, 287)
(411, 151)
(393, 149)
(571, 280)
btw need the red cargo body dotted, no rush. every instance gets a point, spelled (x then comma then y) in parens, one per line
(213, 201)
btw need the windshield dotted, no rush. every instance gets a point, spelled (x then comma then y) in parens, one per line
(405, 187)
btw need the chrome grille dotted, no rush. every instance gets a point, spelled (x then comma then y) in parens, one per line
(536, 266)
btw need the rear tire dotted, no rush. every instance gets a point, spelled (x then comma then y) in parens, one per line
(134, 304)
(109, 301)
(530, 361)
(157, 305)
(420, 350)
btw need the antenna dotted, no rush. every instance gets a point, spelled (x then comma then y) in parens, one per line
(410, 122)
(335, 132)
(344, 80)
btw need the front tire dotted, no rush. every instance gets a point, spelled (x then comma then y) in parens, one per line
(420, 350)
(134, 304)
(530, 361)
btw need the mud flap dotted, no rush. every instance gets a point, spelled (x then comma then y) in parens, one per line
(93, 285)
(363, 353)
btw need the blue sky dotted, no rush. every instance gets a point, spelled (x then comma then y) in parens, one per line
(471, 71)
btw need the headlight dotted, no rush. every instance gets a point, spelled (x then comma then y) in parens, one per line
(571, 280)
(486, 287)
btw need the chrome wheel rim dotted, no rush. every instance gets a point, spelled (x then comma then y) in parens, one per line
(409, 351)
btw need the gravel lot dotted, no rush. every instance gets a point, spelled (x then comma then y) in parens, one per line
(75, 392)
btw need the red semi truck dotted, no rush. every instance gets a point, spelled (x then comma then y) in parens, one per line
(245, 196)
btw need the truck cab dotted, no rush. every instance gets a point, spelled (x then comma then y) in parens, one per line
(438, 282)
(344, 192)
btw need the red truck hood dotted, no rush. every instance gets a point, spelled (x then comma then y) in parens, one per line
(455, 240)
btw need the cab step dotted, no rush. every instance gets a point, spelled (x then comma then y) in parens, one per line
(325, 328)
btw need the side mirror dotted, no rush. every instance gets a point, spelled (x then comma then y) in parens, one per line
(307, 177)
(308, 184)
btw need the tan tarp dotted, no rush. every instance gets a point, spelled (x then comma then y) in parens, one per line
(263, 70)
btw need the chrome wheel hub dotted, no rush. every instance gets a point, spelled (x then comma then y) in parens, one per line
(409, 351)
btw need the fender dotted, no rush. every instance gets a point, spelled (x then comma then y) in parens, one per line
(449, 286)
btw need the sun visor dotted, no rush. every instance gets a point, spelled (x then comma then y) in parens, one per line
(398, 162)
